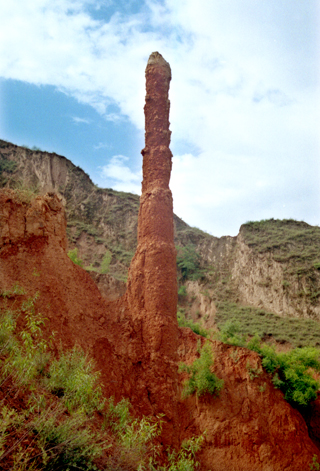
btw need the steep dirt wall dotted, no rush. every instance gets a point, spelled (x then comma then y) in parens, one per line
(249, 426)
(263, 282)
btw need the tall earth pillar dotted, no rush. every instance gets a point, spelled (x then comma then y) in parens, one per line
(152, 279)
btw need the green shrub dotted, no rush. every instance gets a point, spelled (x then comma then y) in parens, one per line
(71, 376)
(182, 291)
(104, 267)
(58, 427)
(250, 320)
(230, 333)
(202, 380)
(184, 459)
(73, 255)
(8, 166)
(194, 326)
(188, 262)
(314, 465)
(291, 372)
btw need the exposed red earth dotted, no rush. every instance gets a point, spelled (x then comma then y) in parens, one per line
(135, 341)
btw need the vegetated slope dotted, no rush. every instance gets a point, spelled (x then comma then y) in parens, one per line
(270, 265)
(284, 259)
(249, 426)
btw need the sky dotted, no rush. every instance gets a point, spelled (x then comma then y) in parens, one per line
(245, 98)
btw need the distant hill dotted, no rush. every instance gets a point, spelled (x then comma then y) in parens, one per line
(271, 266)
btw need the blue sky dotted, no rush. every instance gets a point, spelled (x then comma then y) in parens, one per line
(244, 98)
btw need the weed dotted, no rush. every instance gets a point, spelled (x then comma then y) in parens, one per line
(263, 387)
(194, 326)
(314, 465)
(71, 377)
(104, 267)
(234, 354)
(182, 291)
(292, 372)
(16, 290)
(73, 255)
(202, 379)
(253, 372)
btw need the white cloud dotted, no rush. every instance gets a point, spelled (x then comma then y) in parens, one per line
(119, 176)
(243, 92)
(78, 120)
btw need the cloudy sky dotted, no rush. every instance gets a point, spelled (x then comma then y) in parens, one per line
(244, 98)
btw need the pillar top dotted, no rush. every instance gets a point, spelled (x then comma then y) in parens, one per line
(156, 59)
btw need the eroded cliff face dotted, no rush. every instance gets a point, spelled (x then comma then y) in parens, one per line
(102, 221)
(263, 282)
(248, 427)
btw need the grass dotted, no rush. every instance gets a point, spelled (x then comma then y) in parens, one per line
(290, 241)
(194, 326)
(251, 321)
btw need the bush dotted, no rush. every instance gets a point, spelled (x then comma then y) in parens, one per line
(291, 372)
(194, 326)
(57, 426)
(188, 261)
(202, 379)
(73, 255)
(182, 291)
(104, 268)
(72, 377)
(230, 333)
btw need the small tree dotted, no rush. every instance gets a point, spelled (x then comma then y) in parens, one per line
(188, 261)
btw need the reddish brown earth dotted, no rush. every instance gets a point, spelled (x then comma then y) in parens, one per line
(135, 341)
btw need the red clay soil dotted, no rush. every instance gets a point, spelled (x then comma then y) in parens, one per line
(135, 341)
(248, 427)
(152, 281)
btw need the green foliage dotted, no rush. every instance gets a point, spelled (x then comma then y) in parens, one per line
(292, 372)
(202, 380)
(249, 321)
(253, 372)
(8, 166)
(72, 377)
(73, 255)
(184, 459)
(182, 291)
(58, 427)
(188, 262)
(230, 333)
(104, 267)
(314, 465)
(134, 436)
(16, 290)
(194, 326)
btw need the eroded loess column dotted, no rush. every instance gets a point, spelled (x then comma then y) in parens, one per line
(152, 280)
